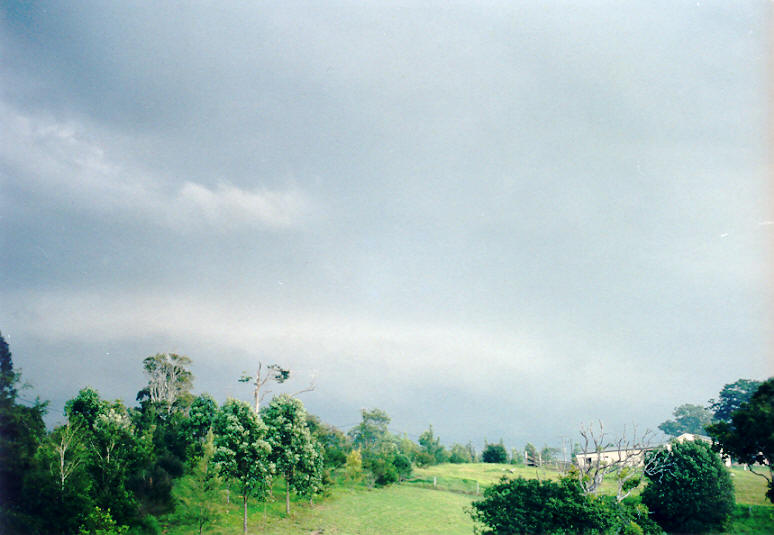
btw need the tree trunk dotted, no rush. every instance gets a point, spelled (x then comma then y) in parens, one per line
(244, 517)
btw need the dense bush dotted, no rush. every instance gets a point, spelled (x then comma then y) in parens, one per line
(494, 453)
(516, 506)
(694, 492)
(384, 472)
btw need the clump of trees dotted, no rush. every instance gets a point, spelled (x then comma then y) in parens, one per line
(747, 433)
(386, 458)
(109, 468)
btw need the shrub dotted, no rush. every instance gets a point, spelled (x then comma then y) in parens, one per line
(694, 493)
(460, 454)
(494, 453)
(517, 506)
(100, 522)
(403, 466)
(354, 466)
(384, 472)
(424, 459)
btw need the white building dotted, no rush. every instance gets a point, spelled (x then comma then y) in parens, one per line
(634, 456)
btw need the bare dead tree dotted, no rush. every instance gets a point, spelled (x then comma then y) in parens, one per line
(624, 456)
(274, 373)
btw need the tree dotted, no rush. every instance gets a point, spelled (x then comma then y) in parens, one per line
(522, 506)
(67, 445)
(371, 430)
(353, 467)
(749, 436)
(198, 424)
(21, 431)
(8, 377)
(432, 446)
(460, 454)
(169, 379)
(58, 487)
(275, 373)
(732, 397)
(494, 453)
(688, 419)
(293, 451)
(242, 453)
(115, 455)
(333, 441)
(198, 494)
(695, 495)
(531, 454)
(549, 454)
(622, 457)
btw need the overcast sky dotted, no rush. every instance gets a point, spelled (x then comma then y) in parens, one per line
(502, 219)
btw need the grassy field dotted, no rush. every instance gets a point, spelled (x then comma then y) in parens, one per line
(352, 510)
(417, 507)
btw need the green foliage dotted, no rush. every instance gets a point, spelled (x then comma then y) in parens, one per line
(197, 425)
(732, 397)
(334, 443)
(494, 453)
(199, 495)
(169, 380)
(516, 506)
(424, 459)
(548, 454)
(384, 471)
(294, 453)
(460, 454)
(21, 430)
(58, 486)
(100, 522)
(688, 419)
(749, 436)
(516, 456)
(371, 430)
(241, 453)
(531, 453)
(402, 465)
(353, 468)
(692, 492)
(431, 445)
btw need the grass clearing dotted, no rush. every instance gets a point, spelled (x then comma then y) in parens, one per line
(415, 507)
(353, 511)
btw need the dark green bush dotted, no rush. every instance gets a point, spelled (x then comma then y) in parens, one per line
(494, 453)
(521, 506)
(384, 472)
(693, 493)
(402, 465)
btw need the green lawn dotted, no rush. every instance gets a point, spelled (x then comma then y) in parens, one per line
(354, 511)
(416, 507)
(750, 489)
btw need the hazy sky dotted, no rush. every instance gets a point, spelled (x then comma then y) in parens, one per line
(502, 219)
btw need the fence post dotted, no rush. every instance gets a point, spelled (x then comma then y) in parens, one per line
(435, 481)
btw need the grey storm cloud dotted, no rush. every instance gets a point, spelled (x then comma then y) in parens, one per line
(500, 219)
